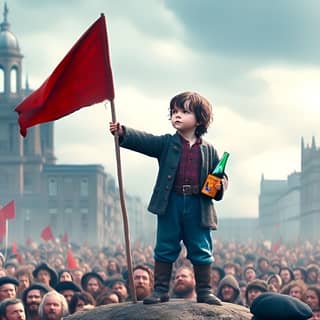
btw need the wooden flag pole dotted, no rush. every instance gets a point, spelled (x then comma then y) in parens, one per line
(124, 210)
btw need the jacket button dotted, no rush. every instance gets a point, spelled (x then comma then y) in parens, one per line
(169, 177)
(167, 187)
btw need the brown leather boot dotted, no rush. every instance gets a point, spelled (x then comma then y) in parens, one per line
(204, 292)
(162, 275)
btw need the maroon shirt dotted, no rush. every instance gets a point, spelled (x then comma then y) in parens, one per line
(189, 165)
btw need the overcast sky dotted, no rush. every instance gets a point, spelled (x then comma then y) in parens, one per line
(258, 62)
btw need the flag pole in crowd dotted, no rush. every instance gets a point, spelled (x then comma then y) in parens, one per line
(82, 78)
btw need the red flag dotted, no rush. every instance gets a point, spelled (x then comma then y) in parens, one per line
(8, 211)
(14, 249)
(65, 238)
(46, 234)
(82, 78)
(3, 226)
(71, 261)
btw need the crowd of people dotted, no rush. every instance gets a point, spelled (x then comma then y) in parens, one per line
(40, 282)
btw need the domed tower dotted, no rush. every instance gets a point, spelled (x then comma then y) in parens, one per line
(21, 160)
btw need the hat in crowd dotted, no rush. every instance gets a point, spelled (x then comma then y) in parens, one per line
(11, 262)
(67, 285)
(35, 286)
(258, 284)
(313, 267)
(7, 279)
(46, 267)
(85, 278)
(112, 281)
(276, 306)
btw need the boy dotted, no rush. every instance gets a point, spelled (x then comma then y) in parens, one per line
(184, 214)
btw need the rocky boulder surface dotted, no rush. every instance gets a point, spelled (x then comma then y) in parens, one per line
(174, 310)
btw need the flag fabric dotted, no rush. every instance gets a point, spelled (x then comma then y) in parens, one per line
(82, 78)
(3, 227)
(71, 261)
(46, 234)
(9, 211)
(65, 238)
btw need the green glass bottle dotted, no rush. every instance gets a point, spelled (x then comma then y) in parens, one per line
(215, 177)
(219, 169)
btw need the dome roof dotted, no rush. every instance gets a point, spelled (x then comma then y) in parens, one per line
(8, 40)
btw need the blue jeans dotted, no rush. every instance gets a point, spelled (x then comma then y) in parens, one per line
(182, 223)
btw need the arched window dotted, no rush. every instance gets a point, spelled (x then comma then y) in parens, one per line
(13, 79)
(2, 86)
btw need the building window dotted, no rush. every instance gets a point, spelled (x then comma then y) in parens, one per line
(27, 183)
(67, 186)
(84, 212)
(53, 212)
(2, 86)
(13, 79)
(84, 187)
(53, 187)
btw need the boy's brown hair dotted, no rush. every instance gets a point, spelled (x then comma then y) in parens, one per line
(197, 104)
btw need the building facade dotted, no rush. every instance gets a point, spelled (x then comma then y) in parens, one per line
(80, 200)
(290, 209)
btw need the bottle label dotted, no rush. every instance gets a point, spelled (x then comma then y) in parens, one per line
(209, 188)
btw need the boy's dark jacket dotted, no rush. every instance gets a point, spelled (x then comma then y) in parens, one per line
(167, 149)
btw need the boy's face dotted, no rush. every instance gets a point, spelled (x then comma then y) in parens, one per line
(184, 120)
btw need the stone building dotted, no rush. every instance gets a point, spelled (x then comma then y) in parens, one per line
(290, 209)
(81, 200)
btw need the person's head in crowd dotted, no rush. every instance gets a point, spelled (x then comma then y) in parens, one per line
(77, 275)
(113, 268)
(53, 306)
(93, 283)
(184, 283)
(118, 285)
(276, 306)
(250, 259)
(254, 289)
(11, 267)
(108, 296)
(25, 279)
(8, 288)
(300, 273)
(230, 268)
(276, 267)
(286, 275)
(275, 281)
(229, 290)
(249, 274)
(67, 289)
(81, 301)
(315, 314)
(142, 281)
(217, 273)
(31, 299)
(12, 309)
(100, 271)
(263, 266)
(45, 274)
(313, 272)
(295, 288)
(65, 275)
(313, 296)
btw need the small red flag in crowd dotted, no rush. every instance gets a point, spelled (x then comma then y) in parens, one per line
(46, 234)
(65, 238)
(8, 212)
(82, 78)
(71, 261)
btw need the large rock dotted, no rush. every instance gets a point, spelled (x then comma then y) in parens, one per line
(174, 310)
